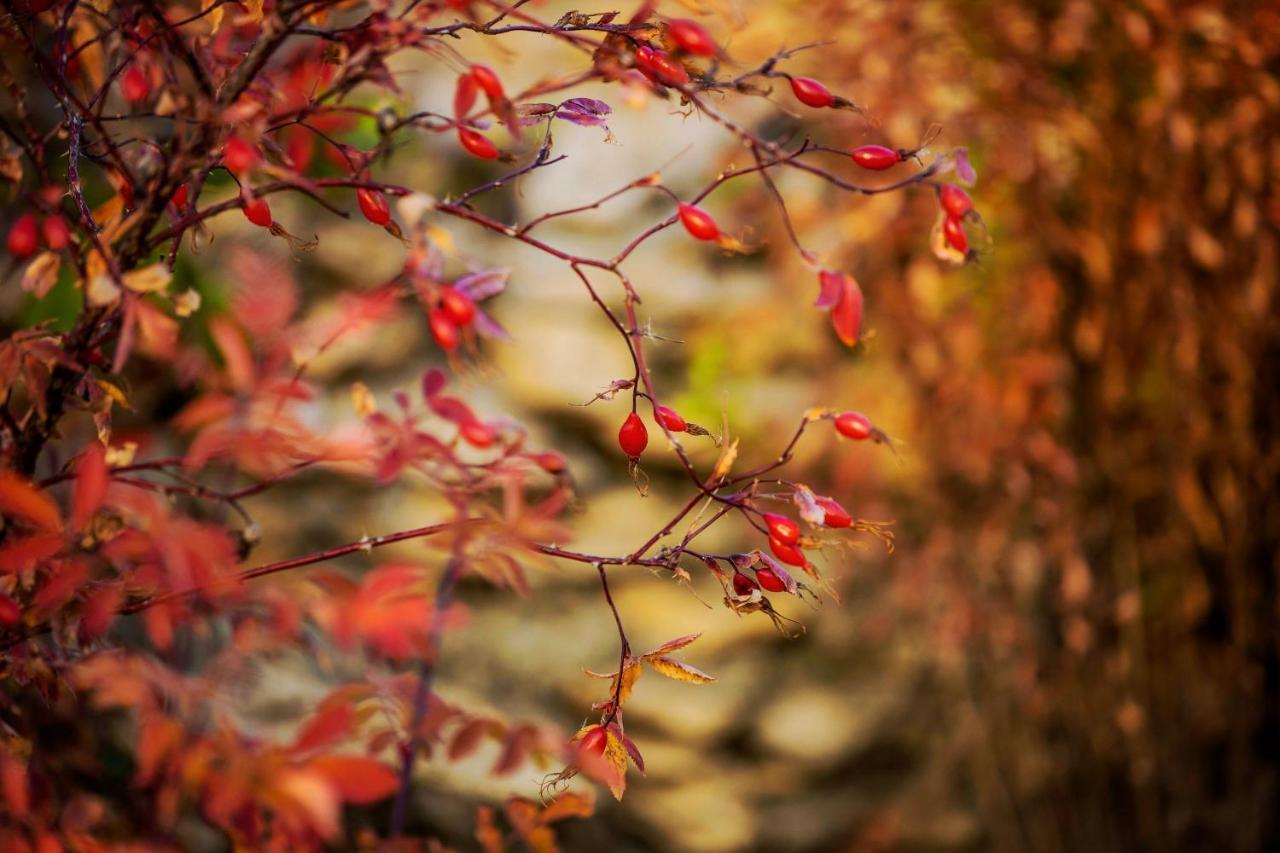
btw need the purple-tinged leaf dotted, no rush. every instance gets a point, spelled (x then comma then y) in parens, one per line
(482, 284)
(433, 382)
(585, 111)
(832, 287)
(964, 169)
(488, 327)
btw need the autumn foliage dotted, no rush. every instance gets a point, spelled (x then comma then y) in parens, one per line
(129, 607)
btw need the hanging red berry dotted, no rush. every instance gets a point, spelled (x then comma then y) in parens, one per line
(458, 306)
(477, 145)
(782, 528)
(488, 81)
(239, 156)
(770, 580)
(373, 205)
(698, 222)
(787, 552)
(954, 200)
(876, 157)
(854, 425)
(55, 232)
(593, 743)
(179, 199)
(743, 585)
(811, 93)
(257, 211)
(834, 515)
(134, 84)
(670, 418)
(953, 230)
(660, 66)
(691, 37)
(24, 238)
(443, 329)
(633, 437)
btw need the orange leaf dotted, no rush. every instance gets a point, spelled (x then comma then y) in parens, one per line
(91, 485)
(326, 728)
(20, 499)
(672, 645)
(20, 554)
(679, 670)
(357, 780)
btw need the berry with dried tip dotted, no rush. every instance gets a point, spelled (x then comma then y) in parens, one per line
(633, 437)
(594, 742)
(257, 211)
(55, 232)
(743, 585)
(854, 425)
(691, 37)
(954, 200)
(24, 238)
(811, 93)
(134, 84)
(787, 552)
(876, 157)
(373, 205)
(670, 418)
(239, 156)
(769, 579)
(660, 67)
(782, 528)
(953, 231)
(443, 329)
(487, 80)
(477, 145)
(698, 222)
(457, 305)
(834, 515)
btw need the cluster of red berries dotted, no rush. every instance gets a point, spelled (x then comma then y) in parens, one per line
(452, 313)
(479, 78)
(633, 436)
(956, 205)
(27, 232)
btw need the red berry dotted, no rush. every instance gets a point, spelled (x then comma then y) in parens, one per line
(875, 157)
(691, 37)
(658, 65)
(594, 741)
(55, 232)
(743, 585)
(782, 528)
(457, 305)
(955, 201)
(477, 434)
(698, 222)
(179, 199)
(239, 156)
(23, 237)
(633, 437)
(443, 329)
(257, 211)
(787, 552)
(134, 84)
(670, 418)
(834, 515)
(854, 425)
(769, 579)
(550, 461)
(488, 81)
(477, 145)
(373, 205)
(464, 96)
(954, 232)
(811, 92)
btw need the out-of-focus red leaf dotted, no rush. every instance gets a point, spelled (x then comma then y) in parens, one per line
(356, 779)
(333, 723)
(90, 487)
(22, 553)
(21, 500)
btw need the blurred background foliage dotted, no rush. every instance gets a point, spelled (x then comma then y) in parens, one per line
(1075, 644)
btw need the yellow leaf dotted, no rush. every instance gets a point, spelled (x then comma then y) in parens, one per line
(680, 671)
(214, 17)
(113, 392)
(671, 645)
(728, 455)
(186, 303)
(152, 279)
(255, 9)
(615, 756)
(363, 400)
(101, 290)
(41, 274)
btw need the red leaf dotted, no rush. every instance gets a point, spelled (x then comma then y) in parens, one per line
(357, 780)
(91, 485)
(326, 728)
(20, 499)
(846, 317)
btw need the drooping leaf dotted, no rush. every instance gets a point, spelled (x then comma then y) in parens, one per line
(672, 645)
(679, 670)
